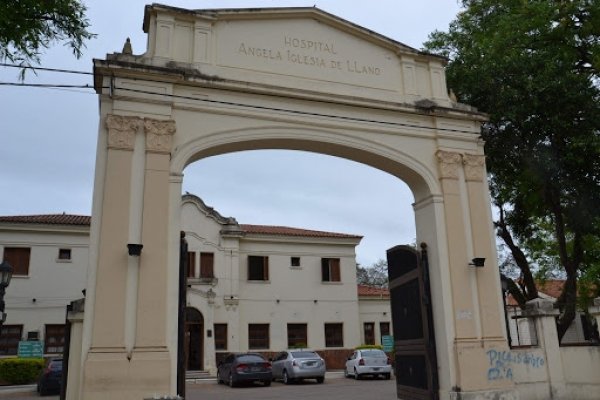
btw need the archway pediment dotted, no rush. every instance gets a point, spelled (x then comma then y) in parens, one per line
(292, 47)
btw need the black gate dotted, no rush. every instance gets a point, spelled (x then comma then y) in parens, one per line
(414, 340)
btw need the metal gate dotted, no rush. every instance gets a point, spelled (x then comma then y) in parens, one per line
(414, 340)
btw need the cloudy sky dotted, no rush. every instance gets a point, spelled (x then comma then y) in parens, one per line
(48, 137)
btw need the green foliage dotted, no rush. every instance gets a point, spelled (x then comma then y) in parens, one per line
(29, 26)
(534, 67)
(19, 371)
(299, 346)
(375, 275)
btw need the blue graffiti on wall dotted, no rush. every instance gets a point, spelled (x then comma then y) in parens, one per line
(501, 363)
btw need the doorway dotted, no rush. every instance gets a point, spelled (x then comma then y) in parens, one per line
(194, 340)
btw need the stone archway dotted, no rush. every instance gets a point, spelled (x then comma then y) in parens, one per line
(214, 82)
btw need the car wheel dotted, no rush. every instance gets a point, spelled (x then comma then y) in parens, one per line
(321, 379)
(231, 382)
(356, 375)
(286, 379)
(267, 383)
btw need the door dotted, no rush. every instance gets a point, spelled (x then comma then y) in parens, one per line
(194, 343)
(412, 319)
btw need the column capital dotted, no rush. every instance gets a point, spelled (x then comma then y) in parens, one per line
(122, 130)
(473, 167)
(159, 135)
(449, 162)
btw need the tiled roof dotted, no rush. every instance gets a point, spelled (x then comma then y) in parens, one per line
(372, 291)
(48, 219)
(81, 220)
(287, 231)
(551, 287)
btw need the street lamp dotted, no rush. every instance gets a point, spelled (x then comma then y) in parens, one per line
(6, 272)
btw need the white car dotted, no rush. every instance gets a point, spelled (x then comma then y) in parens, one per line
(368, 362)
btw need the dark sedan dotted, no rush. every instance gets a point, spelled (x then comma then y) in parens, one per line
(244, 368)
(51, 377)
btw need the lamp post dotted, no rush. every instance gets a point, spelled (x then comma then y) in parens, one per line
(504, 285)
(6, 272)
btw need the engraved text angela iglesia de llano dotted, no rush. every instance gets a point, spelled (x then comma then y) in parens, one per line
(312, 53)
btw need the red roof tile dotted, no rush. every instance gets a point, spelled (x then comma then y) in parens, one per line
(287, 231)
(48, 219)
(372, 291)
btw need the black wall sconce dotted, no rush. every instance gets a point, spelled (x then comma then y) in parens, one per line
(134, 249)
(478, 262)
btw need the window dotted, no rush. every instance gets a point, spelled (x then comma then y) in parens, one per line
(258, 336)
(10, 335)
(191, 264)
(220, 336)
(64, 254)
(297, 335)
(18, 258)
(207, 261)
(384, 328)
(369, 332)
(334, 335)
(54, 339)
(330, 269)
(295, 261)
(258, 268)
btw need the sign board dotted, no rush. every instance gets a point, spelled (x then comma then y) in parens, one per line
(387, 342)
(31, 349)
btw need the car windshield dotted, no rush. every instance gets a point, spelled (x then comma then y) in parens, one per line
(304, 354)
(250, 358)
(373, 353)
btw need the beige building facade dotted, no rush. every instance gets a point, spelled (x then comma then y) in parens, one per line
(249, 287)
(218, 81)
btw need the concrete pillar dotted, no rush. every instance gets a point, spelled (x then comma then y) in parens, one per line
(595, 311)
(477, 307)
(544, 313)
(75, 317)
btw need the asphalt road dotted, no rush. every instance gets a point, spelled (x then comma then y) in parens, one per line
(336, 388)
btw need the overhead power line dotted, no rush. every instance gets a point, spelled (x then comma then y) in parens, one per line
(64, 71)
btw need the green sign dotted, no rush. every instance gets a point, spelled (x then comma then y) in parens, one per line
(387, 342)
(32, 349)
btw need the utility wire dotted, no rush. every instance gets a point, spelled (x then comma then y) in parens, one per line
(64, 71)
(251, 106)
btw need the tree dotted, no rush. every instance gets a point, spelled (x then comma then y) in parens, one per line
(533, 66)
(374, 275)
(29, 26)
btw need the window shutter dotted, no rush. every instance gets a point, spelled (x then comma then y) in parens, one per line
(18, 258)
(191, 264)
(207, 261)
(266, 268)
(335, 270)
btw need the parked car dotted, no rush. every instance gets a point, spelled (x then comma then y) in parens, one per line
(244, 368)
(368, 362)
(293, 365)
(50, 379)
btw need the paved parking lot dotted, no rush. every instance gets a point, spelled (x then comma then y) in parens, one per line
(336, 387)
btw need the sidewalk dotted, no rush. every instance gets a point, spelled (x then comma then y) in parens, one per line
(8, 389)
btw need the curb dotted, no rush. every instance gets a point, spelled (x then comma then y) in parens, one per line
(18, 389)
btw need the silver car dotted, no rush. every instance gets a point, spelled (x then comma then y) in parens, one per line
(372, 362)
(294, 365)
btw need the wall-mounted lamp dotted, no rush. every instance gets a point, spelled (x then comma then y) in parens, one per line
(316, 301)
(277, 301)
(477, 262)
(134, 249)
